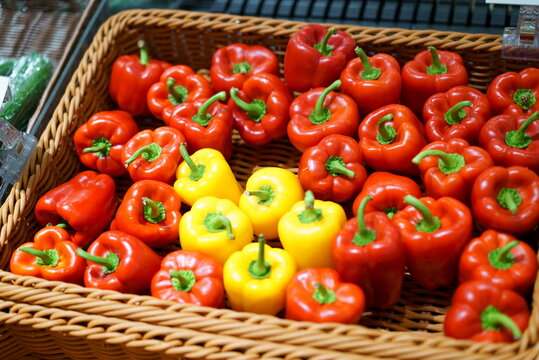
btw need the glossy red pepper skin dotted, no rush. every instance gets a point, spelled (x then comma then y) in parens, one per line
(515, 270)
(344, 118)
(69, 268)
(194, 86)
(501, 92)
(130, 82)
(396, 156)
(131, 215)
(377, 267)
(465, 123)
(432, 257)
(208, 289)
(217, 134)
(346, 308)
(418, 85)
(86, 202)
(317, 172)
(277, 98)
(113, 129)
(163, 168)
(137, 264)
(445, 179)
(305, 67)
(493, 138)
(223, 74)
(387, 191)
(486, 199)
(371, 94)
(464, 320)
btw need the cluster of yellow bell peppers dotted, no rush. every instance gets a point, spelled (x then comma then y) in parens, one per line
(223, 219)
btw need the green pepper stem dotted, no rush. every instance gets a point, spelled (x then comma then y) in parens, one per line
(336, 166)
(501, 258)
(100, 145)
(310, 214)
(448, 163)
(386, 134)
(182, 280)
(216, 222)
(369, 72)
(321, 114)
(37, 253)
(429, 223)
(197, 171)
(492, 318)
(364, 236)
(256, 110)
(509, 199)
(178, 93)
(144, 53)
(519, 138)
(323, 46)
(202, 117)
(110, 262)
(149, 152)
(456, 113)
(323, 295)
(259, 268)
(154, 211)
(436, 68)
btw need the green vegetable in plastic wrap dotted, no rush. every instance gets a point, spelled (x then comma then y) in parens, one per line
(29, 78)
(6, 66)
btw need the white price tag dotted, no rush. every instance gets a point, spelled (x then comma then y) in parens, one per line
(4, 82)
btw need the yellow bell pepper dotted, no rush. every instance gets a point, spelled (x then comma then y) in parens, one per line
(205, 173)
(256, 278)
(215, 227)
(270, 193)
(308, 229)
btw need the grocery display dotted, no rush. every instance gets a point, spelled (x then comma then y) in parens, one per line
(188, 165)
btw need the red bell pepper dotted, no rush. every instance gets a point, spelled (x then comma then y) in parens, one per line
(154, 154)
(190, 277)
(389, 139)
(387, 191)
(205, 124)
(52, 256)
(319, 113)
(512, 140)
(99, 142)
(460, 112)
(369, 252)
(150, 210)
(316, 56)
(515, 93)
(431, 72)
(121, 262)
(372, 82)
(131, 78)
(332, 169)
(434, 232)
(481, 311)
(506, 199)
(260, 109)
(86, 204)
(177, 84)
(233, 64)
(317, 294)
(501, 259)
(450, 168)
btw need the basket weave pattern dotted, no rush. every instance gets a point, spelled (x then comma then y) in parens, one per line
(56, 320)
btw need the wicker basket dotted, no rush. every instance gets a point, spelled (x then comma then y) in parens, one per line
(56, 320)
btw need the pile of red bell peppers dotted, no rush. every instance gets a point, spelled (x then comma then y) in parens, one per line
(441, 178)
